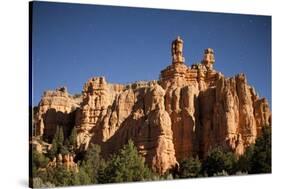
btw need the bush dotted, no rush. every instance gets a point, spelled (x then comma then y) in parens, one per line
(244, 162)
(38, 183)
(91, 162)
(60, 176)
(218, 161)
(190, 168)
(57, 143)
(257, 157)
(126, 166)
(261, 158)
(38, 161)
(73, 138)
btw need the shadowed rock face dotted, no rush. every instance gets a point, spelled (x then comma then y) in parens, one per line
(55, 108)
(187, 112)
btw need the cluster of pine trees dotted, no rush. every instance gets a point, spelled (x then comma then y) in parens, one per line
(128, 166)
(219, 162)
(125, 166)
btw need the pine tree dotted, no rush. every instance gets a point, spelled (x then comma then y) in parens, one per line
(60, 138)
(127, 166)
(37, 182)
(102, 177)
(190, 168)
(84, 178)
(244, 162)
(61, 176)
(218, 161)
(261, 158)
(73, 137)
(257, 157)
(71, 143)
(91, 162)
(57, 142)
(38, 161)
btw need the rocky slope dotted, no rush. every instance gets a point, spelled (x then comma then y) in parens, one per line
(188, 111)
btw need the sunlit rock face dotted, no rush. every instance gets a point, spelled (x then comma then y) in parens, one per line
(188, 111)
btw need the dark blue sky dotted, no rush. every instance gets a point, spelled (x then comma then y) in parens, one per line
(74, 42)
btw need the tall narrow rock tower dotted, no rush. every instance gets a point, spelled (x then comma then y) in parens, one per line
(177, 51)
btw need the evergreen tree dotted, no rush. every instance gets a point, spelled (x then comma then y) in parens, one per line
(60, 138)
(102, 177)
(261, 158)
(91, 162)
(84, 178)
(57, 142)
(64, 150)
(37, 182)
(230, 162)
(73, 137)
(244, 162)
(218, 161)
(38, 161)
(127, 166)
(60, 176)
(257, 157)
(190, 168)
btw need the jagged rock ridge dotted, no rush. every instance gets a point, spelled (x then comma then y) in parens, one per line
(186, 112)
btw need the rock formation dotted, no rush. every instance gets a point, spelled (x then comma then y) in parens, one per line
(188, 111)
(55, 108)
(66, 160)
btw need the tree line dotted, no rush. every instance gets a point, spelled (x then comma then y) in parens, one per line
(127, 165)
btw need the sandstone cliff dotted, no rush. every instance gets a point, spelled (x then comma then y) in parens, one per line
(55, 108)
(188, 111)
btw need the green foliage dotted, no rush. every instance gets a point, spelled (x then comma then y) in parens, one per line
(60, 137)
(257, 157)
(190, 168)
(57, 143)
(244, 162)
(126, 166)
(60, 176)
(64, 150)
(230, 162)
(38, 161)
(83, 177)
(73, 138)
(102, 177)
(63, 145)
(37, 182)
(91, 162)
(218, 161)
(261, 158)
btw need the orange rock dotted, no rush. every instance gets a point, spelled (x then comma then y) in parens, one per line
(188, 111)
